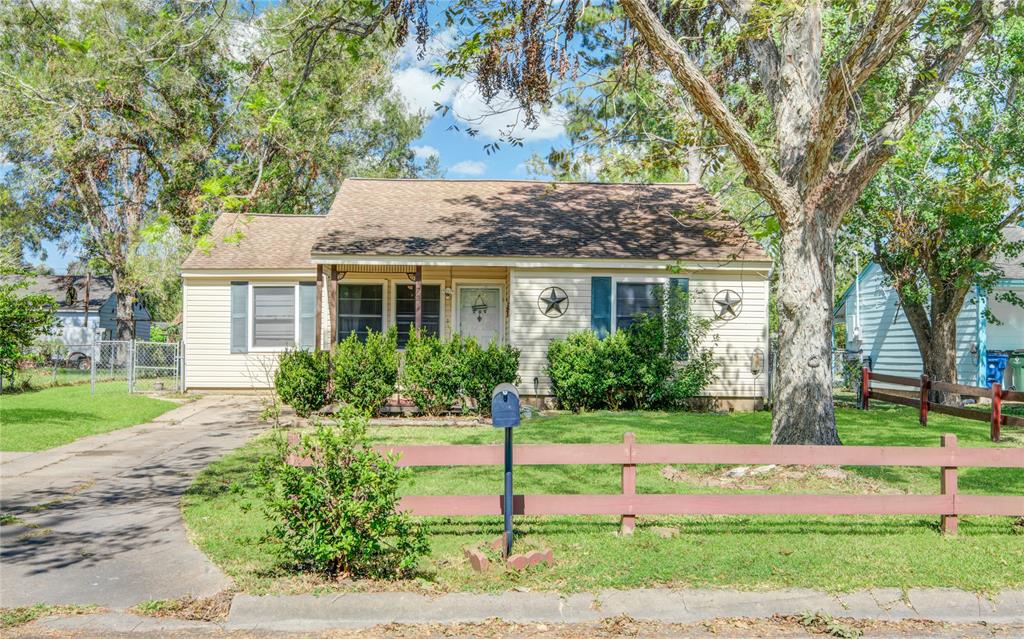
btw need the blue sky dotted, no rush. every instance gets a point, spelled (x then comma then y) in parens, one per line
(461, 156)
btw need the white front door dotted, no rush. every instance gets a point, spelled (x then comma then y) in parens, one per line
(480, 313)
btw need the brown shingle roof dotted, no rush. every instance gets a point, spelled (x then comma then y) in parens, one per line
(67, 290)
(449, 218)
(1012, 267)
(258, 242)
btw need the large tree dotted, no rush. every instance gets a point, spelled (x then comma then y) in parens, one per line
(837, 105)
(936, 215)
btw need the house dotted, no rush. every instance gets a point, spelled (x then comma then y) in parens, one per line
(86, 307)
(878, 330)
(517, 262)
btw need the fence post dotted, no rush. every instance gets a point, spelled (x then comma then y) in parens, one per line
(926, 385)
(96, 350)
(997, 411)
(628, 483)
(865, 386)
(948, 481)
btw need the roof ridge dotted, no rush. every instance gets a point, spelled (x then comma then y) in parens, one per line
(518, 181)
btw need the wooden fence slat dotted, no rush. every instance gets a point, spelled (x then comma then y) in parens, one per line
(895, 379)
(1012, 505)
(1012, 420)
(961, 389)
(1013, 396)
(894, 399)
(966, 413)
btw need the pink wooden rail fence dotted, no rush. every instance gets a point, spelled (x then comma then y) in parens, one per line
(923, 403)
(949, 504)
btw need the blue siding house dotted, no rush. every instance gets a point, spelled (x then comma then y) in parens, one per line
(877, 328)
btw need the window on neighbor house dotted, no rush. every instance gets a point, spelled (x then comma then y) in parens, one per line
(360, 309)
(634, 299)
(273, 316)
(405, 310)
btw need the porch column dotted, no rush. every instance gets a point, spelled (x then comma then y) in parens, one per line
(318, 341)
(332, 306)
(419, 297)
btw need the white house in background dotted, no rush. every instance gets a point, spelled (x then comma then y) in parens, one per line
(877, 327)
(79, 324)
(516, 262)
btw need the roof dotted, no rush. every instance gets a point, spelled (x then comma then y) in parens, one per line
(68, 290)
(1013, 268)
(258, 242)
(449, 218)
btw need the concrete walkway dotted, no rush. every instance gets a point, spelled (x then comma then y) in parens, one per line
(99, 520)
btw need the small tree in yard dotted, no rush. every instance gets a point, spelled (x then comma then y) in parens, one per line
(23, 319)
(339, 517)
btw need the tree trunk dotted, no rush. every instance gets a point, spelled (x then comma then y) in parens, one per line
(124, 309)
(802, 385)
(938, 355)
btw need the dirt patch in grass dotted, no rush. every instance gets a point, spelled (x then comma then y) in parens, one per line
(790, 479)
(21, 615)
(190, 608)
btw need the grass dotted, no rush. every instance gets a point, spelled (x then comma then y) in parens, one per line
(37, 420)
(13, 617)
(225, 516)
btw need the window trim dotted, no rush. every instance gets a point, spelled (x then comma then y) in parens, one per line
(631, 279)
(458, 285)
(252, 316)
(384, 305)
(392, 317)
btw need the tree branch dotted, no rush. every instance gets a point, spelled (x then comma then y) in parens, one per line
(763, 178)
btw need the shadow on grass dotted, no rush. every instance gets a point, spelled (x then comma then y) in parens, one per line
(27, 417)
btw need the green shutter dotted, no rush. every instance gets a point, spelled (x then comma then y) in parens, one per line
(307, 314)
(601, 305)
(681, 284)
(239, 317)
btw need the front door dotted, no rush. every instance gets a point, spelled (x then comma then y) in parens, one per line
(480, 313)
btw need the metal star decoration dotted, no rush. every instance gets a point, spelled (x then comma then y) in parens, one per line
(552, 300)
(728, 303)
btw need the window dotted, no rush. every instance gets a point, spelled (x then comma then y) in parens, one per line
(273, 316)
(360, 309)
(405, 310)
(632, 300)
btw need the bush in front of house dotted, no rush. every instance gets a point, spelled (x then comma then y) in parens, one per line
(366, 372)
(339, 517)
(657, 362)
(485, 368)
(301, 380)
(433, 371)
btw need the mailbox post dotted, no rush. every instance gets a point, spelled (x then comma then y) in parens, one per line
(505, 414)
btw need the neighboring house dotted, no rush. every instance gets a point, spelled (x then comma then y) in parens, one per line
(877, 327)
(516, 262)
(78, 324)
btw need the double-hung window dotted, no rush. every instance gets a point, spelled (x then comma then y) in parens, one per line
(273, 317)
(405, 310)
(360, 309)
(635, 299)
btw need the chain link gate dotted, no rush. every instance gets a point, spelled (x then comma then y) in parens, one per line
(144, 367)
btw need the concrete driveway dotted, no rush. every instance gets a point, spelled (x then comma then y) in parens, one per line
(99, 520)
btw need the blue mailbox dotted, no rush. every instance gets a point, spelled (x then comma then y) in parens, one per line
(505, 406)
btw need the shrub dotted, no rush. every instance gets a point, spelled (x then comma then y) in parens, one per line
(656, 363)
(301, 380)
(485, 368)
(366, 373)
(339, 516)
(433, 371)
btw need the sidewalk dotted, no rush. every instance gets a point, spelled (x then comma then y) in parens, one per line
(309, 613)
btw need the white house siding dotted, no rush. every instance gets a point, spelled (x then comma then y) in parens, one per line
(888, 339)
(737, 340)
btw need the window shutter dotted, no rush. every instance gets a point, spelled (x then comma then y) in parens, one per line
(676, 284)
(307, 314)
(601, 305)
(239, 317)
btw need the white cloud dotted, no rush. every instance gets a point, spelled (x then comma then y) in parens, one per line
(424, 152)
(503, 117)
(416, 87)
(469, 167)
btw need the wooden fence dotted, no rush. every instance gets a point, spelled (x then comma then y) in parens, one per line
(923, 403)
(949, 504)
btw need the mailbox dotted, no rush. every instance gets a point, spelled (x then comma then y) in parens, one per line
(505, 406)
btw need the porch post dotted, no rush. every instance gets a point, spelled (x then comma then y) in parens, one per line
(318, 340)
(332, 306)
(419, 298)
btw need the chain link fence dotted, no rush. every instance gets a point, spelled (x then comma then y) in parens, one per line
(136, 366)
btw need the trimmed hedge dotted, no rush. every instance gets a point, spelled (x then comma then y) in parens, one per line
(301, 380)
(366, 373)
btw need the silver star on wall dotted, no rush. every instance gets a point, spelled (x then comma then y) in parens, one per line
(728, 303)
(552, 300)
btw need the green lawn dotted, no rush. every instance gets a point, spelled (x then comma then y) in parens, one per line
(225, 515)
(37, 420)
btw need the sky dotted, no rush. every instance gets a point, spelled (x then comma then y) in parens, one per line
(461, 156)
